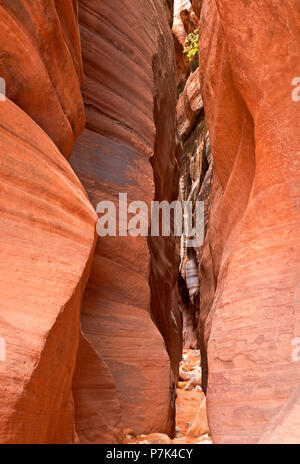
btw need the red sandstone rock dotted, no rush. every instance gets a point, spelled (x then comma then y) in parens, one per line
(130, 102)
(188, 402)
(182, 63)
(284, 428)
(185, 20)
(190, 314)
(192, 131)
(170, 10)
(158, 439)
(47, 241)
(197, 5)
(248, 57)
(97, 412)
(200, 425)
(41, 63)
(189, 105)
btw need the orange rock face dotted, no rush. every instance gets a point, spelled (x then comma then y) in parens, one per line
(129, 147)
(185, 20)
(197, 5)
(249, 54)
(47, 241)
(90, 328)
(97, 406)
(284, 428)
(189, 105)
(41, 63)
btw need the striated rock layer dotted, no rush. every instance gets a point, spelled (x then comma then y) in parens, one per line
(250, 311)
(41, 63)
(129, 147)
(47, 241)
(48, 248)
(97, 406)
(189, 106)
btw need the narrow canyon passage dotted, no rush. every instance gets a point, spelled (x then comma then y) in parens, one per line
(191, 417)
(116, 328)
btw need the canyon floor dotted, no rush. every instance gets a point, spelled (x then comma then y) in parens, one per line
(191, 421)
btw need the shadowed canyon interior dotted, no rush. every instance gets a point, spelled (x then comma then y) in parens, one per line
(149, 339)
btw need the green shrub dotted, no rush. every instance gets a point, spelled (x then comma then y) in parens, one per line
(191, 48)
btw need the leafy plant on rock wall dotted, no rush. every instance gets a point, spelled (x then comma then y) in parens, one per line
(191, 49)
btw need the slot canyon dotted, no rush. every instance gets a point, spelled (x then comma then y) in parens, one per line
(150, 338)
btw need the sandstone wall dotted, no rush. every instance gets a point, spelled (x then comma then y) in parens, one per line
(129, 146)
(47, 241)
(81, 366)
(249, 54)
(47, 222)
(41, 63)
